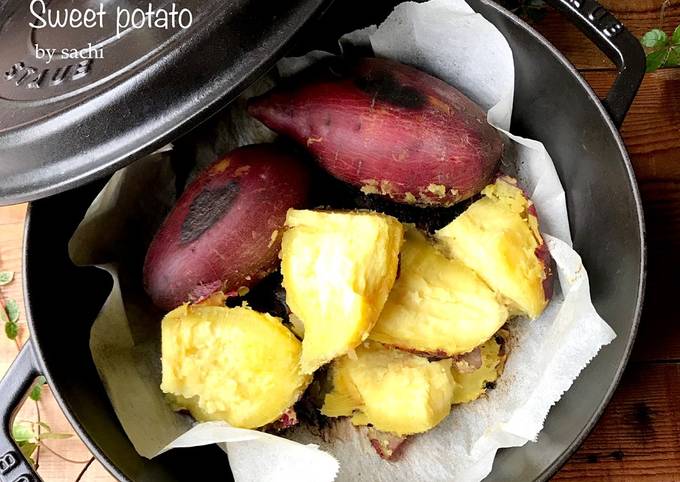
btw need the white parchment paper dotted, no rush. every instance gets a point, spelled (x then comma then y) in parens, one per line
(447, 39)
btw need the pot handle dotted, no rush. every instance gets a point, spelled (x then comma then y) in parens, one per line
(617, 43)
(13, 389)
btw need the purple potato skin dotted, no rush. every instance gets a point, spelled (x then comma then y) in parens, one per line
(388, 129)
(543, 254)
(225, 230)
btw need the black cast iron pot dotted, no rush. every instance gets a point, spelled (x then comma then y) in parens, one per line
(552, 104)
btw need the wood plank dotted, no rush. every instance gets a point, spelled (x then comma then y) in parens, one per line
(638, 16)
(651, 132)
(659, 336)
(10, 260)
(638, 437)
(651, 129)
(11, 236)
(13, 214)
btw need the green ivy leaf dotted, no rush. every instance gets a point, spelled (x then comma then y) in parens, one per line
(12, 309)
(11, 330)
(27, 437)
(36, 391)
(6, 277)
(673, 59)
(656, 60)
(28, 449)
(676, 36)
(22, 432)
(46, 427)
(654, 39)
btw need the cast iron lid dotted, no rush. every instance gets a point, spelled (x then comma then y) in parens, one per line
(112, 94)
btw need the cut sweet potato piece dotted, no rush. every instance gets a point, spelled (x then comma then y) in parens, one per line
(438, 306)
(498, 237)
(390, 389)
(338, 268)
(230, 364)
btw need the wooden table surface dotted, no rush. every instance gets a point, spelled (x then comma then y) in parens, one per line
(638, 437)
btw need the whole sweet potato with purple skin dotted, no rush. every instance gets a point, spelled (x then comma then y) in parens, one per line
(225, 230)
(388, 128)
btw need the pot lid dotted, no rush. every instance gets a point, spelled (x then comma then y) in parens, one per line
(80, 100)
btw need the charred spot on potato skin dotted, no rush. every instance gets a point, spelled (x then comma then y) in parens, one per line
(501, 338)
(329, 192)
(429, 220)
(383, 86)
(489, 385)
(206, 209)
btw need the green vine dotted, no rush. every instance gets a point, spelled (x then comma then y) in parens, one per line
(662, 50)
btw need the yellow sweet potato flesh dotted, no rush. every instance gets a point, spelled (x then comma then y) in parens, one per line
(498, 238)
(338, 269)
(438, 305)
(392, 390)
(472, 385)
(230, 364)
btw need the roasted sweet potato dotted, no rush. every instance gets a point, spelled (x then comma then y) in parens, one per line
(473, 382)
(391, 390)
(225, 230)
(338, 268)
(438, 306)
(231, 364)
(499, 238)
(388, 128)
